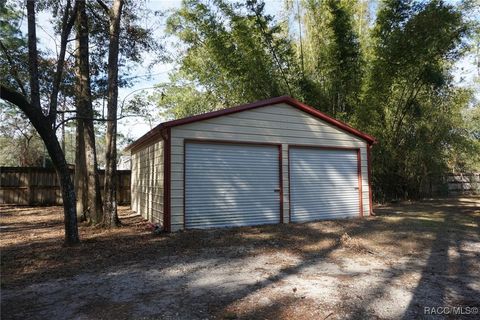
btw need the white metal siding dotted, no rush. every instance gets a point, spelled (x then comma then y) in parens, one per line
(280, 123)
(323, 184)
(147, 182)
(231, 185)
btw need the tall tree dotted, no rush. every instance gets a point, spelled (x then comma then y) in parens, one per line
(234, 53)
(391, 77)
(345, 62)
(43, 118)
(110, 218)
(86, 173)
(409, 100)
(332, 55)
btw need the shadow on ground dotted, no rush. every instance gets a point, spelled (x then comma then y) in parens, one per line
(390, 266)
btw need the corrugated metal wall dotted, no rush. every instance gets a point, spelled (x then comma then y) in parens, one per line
(147, 182)
(282, 124)
(323, 184)
(231, 185)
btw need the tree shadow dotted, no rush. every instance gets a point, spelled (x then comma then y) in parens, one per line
(449, 271)
(166, 274)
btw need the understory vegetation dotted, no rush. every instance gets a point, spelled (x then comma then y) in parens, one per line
(403, 71)
(387, 68)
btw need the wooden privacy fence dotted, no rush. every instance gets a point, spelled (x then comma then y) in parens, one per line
(463, 183)
(40, 186)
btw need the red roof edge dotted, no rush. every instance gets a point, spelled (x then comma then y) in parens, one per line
(283, 99)
(150, 134)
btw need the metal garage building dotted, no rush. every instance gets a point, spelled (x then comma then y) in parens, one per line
(271, 161)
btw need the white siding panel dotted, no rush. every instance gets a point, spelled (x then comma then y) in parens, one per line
(265, 138)
(280, 124)
(231, 185)
(147, 182)
(293, 133)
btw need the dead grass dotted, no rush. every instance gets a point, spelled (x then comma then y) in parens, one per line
(32, 237)
(32, 251)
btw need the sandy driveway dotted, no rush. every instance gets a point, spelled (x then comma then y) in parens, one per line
(392, 266)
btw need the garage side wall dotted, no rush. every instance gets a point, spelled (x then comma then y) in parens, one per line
(278, 124)
(147, 182)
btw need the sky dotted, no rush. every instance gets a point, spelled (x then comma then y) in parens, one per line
(136, 127)
(145, 78)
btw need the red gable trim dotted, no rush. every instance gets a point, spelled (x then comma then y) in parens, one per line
(262, 103)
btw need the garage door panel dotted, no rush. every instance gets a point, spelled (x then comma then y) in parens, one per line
(231, 185)
(207, 223)
(258, 192)
(331, 186)
(200, 177)
(229, 203)
(332, 201)
(247, 215)
(331, 204)
(309, 218)
(323, 184)
(229, 165)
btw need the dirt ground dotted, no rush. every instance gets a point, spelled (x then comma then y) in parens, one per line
(391, 266)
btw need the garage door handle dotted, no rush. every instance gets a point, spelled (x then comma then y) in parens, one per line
(356, 188)
(276, 190)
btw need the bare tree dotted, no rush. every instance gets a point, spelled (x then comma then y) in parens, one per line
(110, 202)
(44, 123)
(86, 174)
(80, 178)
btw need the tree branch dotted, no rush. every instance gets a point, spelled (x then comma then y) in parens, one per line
(94, 13)
(33, 56)
(104, 6)
(16, 98)
(270, 47)
(46, 132)
(51, 37)
(13, 69)
(95, 119)
(67, 24)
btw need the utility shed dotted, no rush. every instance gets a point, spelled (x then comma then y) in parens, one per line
(272, 161)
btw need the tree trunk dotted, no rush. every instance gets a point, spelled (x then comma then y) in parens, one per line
(32, 56)
(81, 184)
(110, 202)
(47, 133)
(45, 124)
(87, 151)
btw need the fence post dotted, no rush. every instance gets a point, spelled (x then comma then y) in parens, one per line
(30, 191)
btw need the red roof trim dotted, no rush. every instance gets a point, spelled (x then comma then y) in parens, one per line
(283, 99)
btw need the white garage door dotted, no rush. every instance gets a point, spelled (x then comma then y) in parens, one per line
(324, 184)
(231, 185)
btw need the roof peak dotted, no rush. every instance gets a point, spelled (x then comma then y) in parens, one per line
(261, 103)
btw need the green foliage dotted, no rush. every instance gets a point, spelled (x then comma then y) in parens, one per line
(136, 41)
(13, 46)
(332, 56)
(391, 77)
(464, 155)
(409, 102)
(183, 101)
(234, 53)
